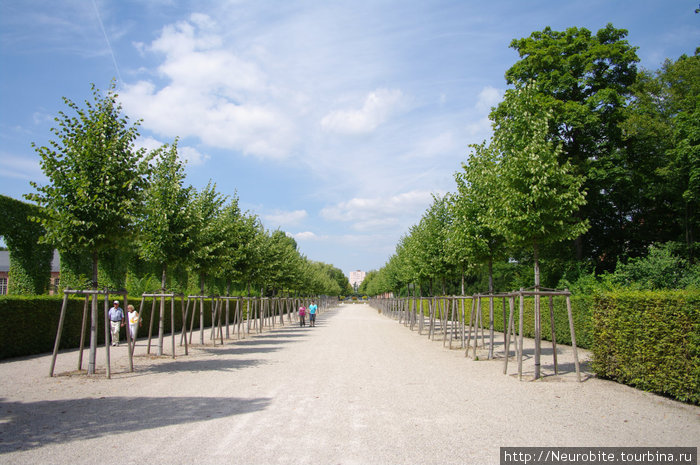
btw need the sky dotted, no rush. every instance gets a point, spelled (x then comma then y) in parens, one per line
(334, 121)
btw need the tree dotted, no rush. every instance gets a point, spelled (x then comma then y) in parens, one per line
(585, 80)
(472, 238)
(538, 196)
(683, 170)
(96, 179)
(208, 241)
(662, 131)
(96, 183)
(165, 227)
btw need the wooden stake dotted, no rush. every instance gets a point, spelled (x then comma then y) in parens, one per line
(573, 336)
(554, 337)
(82, 333)
(107, 334)
(520, 353)
(59, 331)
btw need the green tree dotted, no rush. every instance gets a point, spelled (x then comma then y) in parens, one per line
(473, 240)
(538, 196)
(165, 227)
(96, 183)
(208, 240)
(96, 179)
(585, 80)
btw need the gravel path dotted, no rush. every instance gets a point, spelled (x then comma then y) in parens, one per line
(359, 388)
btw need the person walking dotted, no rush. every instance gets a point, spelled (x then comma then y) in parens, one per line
(116, 321)
(134, 321)
(312, 313)
(302, 316)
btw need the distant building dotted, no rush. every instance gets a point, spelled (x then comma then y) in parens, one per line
(356, 278)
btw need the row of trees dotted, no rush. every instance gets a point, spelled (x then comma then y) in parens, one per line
(592, 161)
(121, 216)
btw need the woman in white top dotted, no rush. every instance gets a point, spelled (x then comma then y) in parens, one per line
(134, 321)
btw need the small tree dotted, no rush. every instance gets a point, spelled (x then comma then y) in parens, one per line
(473, 240)
(96, 181)
(166, 225)
(537, 195)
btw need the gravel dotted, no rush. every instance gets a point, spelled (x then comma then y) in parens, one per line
(359, 388)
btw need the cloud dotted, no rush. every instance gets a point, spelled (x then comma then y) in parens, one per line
(487, 98)
(371, 214)
(21, 168)
(210, 92)
(305, 236)
(378, 107)
(192, 156)
(286, 218)
(189, 155)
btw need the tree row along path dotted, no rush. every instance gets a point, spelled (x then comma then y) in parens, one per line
(357, 388)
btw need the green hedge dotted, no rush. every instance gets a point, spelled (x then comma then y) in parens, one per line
(650, 340)
(29, 324)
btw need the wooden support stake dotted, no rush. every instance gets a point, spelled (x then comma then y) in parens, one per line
(554, 337)
(573, 336)
(172, 324)
(59, 331)
(520, 354)
(150, 325)
(107, 334)
(82, 333)
(471, 320)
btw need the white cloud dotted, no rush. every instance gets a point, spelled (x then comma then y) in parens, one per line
(285, 218)
(192, 156)
(21, 168)
(189, 155)
(481, 129)
(378, 107)
(488, 97)
(368, 214)
(305, 236)
(210, 93)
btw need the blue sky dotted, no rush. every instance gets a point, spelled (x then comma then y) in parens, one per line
(334, 121)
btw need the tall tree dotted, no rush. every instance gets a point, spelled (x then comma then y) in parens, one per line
(585, 80)
(96, 183)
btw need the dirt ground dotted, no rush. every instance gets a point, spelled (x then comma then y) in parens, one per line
(359, 388)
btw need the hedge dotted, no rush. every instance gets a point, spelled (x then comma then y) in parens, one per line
(649, 340)
(29, 324)
(30, 263)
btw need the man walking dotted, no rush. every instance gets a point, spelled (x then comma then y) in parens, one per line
(312, 313)
(116, 321)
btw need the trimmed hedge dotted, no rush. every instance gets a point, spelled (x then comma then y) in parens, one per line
(649, 340)
(29, 324)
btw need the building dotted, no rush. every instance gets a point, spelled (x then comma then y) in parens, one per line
(5, 272)
(356, 278)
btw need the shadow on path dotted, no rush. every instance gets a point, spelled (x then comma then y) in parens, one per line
(35, 424)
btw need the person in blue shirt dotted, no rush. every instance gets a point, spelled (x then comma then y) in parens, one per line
(312, 313)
